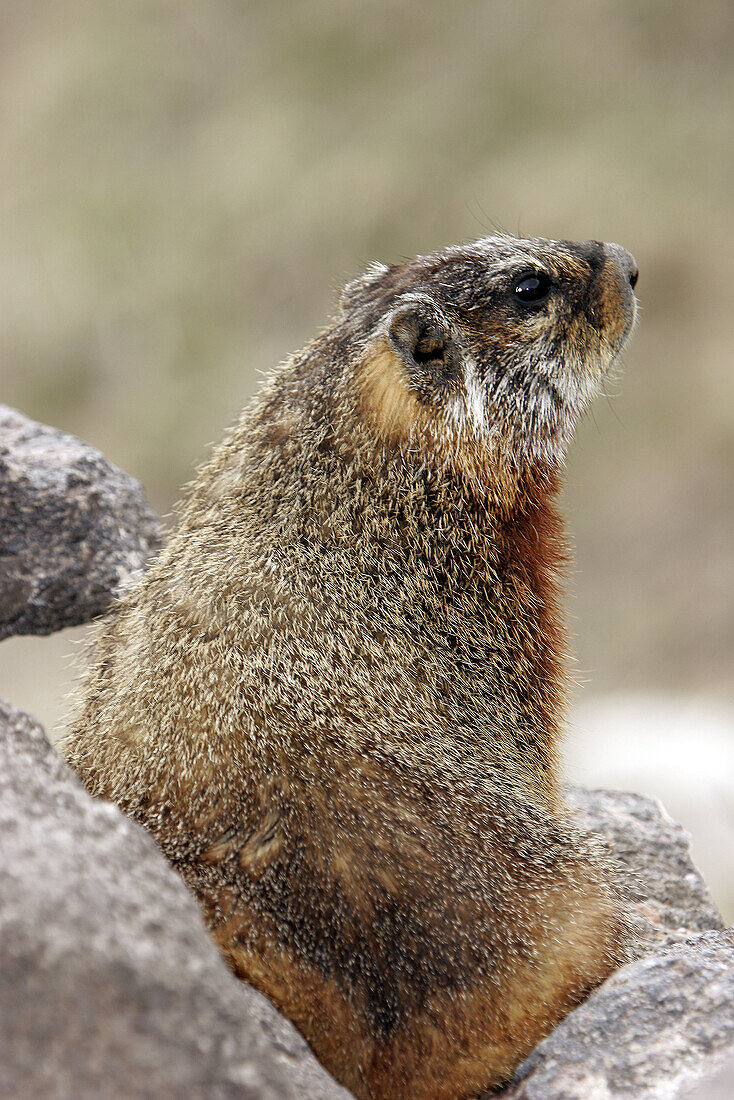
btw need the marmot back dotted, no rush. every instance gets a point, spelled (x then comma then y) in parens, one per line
(335, 699)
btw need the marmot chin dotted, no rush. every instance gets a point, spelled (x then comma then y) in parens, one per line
(335, 699)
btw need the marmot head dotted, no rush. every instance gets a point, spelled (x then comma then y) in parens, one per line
(485, 355)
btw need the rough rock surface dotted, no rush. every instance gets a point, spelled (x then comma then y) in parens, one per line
(665, 886)
(649, 1033)
(109, 983)
(73, 528)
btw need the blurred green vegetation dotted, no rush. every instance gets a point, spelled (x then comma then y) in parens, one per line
(184, 184)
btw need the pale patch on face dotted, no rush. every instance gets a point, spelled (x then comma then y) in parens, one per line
(467, 411)
(558, 390)
(529, 411)
(392, 407)
(556, 398)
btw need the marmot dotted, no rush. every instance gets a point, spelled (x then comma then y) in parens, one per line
(335, 698)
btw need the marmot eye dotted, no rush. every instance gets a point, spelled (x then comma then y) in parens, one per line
(533, 287)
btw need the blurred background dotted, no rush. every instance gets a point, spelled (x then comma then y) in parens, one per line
(185, 184)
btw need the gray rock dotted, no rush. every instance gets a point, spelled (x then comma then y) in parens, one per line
(74, 530)
(109, 983)
(665, 887)
(649, 1033)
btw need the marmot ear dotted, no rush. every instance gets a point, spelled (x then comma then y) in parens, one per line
(421, 335)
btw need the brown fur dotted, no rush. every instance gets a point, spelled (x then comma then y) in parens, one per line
(336, 698)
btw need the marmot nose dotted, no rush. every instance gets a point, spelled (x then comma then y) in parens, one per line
(626, 262)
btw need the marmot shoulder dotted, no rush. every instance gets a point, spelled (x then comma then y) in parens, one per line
(335, 699)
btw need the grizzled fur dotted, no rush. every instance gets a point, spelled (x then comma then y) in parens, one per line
(336, 697)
